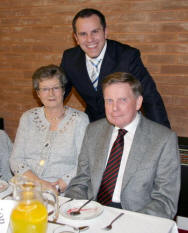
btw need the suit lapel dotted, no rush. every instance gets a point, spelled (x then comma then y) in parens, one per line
(136, 154)
(81, 71)
(101, 155)
(108, 64)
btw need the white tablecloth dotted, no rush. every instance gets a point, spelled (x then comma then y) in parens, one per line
(130, 222)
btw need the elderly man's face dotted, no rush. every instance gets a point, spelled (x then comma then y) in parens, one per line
(121, 105)
(90, 35)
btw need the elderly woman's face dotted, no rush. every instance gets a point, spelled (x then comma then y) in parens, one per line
(50, 92)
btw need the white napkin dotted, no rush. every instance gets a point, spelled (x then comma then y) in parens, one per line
(6, 207)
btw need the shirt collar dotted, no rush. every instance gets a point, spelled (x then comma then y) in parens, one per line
(131, 127)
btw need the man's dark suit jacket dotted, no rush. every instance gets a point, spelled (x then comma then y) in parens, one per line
(118, 58)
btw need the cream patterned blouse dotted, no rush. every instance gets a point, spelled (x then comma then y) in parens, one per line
(49, 154)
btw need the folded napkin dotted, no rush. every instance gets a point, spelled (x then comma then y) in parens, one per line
(6, 207)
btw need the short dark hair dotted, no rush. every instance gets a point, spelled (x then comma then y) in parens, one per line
(87, 12)
(48, 72)
(122, 77)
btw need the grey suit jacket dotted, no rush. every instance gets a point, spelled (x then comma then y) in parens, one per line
(151, 181)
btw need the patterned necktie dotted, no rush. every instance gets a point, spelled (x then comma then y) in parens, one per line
(95, 73)
(111, 172)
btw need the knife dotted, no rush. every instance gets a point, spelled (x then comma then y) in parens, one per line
(82, 228)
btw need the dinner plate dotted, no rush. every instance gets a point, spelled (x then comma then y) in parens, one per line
(91, 210)
(3, 186)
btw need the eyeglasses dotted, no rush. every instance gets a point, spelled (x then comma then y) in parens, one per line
(47, 89)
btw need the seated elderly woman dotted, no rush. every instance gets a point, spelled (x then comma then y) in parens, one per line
(5, 151)
(49, 138)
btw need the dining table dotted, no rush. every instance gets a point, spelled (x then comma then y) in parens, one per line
(129, 222)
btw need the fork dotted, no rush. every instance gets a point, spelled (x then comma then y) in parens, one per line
(109, 227)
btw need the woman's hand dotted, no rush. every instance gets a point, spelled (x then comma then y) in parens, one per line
(61, 185)
(45, 184)
(48, 185)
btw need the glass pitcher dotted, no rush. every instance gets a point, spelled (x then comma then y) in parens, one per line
(30, 214)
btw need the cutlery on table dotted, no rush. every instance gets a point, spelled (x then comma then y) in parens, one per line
(81, 228)
(61, 204)
(71, 199)
(77, 212)
(51, 212)
(8, 195)
(109, 227)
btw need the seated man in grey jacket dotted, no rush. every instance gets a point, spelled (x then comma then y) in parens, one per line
(128, 161)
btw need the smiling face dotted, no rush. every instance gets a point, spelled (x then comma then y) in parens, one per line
(90, 35)
(121, 105)
(51, 93)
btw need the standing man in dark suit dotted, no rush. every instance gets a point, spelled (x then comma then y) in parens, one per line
(95, 57)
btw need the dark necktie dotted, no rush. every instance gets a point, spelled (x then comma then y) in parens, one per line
(111, 172)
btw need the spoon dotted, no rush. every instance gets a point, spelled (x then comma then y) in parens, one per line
(77, 212)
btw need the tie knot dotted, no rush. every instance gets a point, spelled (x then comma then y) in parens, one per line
(122, 132)
(95, 63)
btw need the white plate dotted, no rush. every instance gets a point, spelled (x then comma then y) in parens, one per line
(3, 186)
(91, 210)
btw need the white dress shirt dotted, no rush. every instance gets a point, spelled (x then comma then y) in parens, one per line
(128, 139)
(100, 57)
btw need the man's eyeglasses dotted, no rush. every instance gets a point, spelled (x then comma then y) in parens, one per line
(47, 89)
